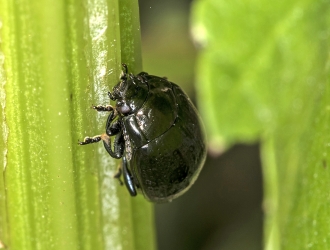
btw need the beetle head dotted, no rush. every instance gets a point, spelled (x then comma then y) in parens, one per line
(130, 93)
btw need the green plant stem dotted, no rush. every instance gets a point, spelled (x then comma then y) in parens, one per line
(57, 60)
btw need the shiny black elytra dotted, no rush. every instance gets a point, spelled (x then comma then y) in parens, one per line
(158, 134)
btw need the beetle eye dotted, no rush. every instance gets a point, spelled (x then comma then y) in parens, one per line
(122, 107)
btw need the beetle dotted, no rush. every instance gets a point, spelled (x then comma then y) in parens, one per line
(157, 133)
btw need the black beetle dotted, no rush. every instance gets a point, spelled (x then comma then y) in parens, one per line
(158, 134)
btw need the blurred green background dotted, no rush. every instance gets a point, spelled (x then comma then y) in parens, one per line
(223, 208)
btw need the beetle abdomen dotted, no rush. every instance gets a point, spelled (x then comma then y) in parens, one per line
(168, 165)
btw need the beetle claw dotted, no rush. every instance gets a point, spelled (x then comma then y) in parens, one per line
(101, 108)
(89, 140)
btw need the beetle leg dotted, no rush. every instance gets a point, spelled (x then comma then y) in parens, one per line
(111, 127)
(118, 144)
(118, 175)
(114, 128)
(128, 178)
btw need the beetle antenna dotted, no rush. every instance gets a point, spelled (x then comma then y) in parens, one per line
(124, 72)
(125, 68)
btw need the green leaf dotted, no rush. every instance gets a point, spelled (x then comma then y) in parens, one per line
(57, 59)
(263, 75)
